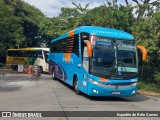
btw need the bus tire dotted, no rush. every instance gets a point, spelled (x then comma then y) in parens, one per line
(53, 75)
(75, 85)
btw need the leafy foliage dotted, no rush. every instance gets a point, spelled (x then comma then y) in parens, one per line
(157, 79)
(23, 24)
(10, 28)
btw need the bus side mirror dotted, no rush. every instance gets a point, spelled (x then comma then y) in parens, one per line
(144, 52)
(89, 48)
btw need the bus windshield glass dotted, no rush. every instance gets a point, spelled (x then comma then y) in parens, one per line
(46, 53)
(113, 58)
(126, 53)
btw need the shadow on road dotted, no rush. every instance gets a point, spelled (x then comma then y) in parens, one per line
(137, 98)
(9, 89)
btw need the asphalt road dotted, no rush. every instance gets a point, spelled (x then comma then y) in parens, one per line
(52, 95)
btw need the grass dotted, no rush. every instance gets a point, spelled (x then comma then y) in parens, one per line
(148, 86)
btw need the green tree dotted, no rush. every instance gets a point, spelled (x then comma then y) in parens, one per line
(109, 15)
(11, 32)
(147, 33)
(32, 21)
(144, 7)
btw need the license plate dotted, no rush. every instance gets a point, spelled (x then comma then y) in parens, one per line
(116, 93)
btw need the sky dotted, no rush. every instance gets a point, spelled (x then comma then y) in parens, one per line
(52, 8)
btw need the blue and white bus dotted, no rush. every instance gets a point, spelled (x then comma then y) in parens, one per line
(96, 61)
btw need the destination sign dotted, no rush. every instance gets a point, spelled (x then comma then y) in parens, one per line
(103, 43)
(124, 44)
(104, 39)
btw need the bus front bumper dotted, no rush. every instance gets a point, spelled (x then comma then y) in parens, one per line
(99, 89)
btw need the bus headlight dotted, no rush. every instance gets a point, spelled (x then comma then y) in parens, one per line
(134, 84)
(133, 92)
(92, 81)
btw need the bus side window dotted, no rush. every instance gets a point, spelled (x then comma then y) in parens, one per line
(40, 56)
(76, 45)
(84, 36)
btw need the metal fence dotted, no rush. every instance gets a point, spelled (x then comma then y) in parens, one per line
(146, 74)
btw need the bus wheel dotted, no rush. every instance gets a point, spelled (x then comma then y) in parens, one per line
(53, 75)
(75, 85)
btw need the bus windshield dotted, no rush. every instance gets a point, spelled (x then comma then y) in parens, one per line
(126, 53)
(114, 58)
(46, 53)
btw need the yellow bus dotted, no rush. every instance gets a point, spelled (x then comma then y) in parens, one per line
(28, 56)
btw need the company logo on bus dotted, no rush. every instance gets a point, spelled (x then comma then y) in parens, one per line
(116, 86)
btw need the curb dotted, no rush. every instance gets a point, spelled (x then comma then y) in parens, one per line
(148, 93)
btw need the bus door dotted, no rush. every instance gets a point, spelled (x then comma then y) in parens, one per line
(85, 60)
(85, 69)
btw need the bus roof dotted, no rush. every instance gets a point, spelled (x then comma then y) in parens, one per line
(31, 48)
(99, 31)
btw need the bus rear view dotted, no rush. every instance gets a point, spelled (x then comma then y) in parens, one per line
(106, 63)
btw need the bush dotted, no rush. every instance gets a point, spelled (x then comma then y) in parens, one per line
(147, 86)
(157, 78)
